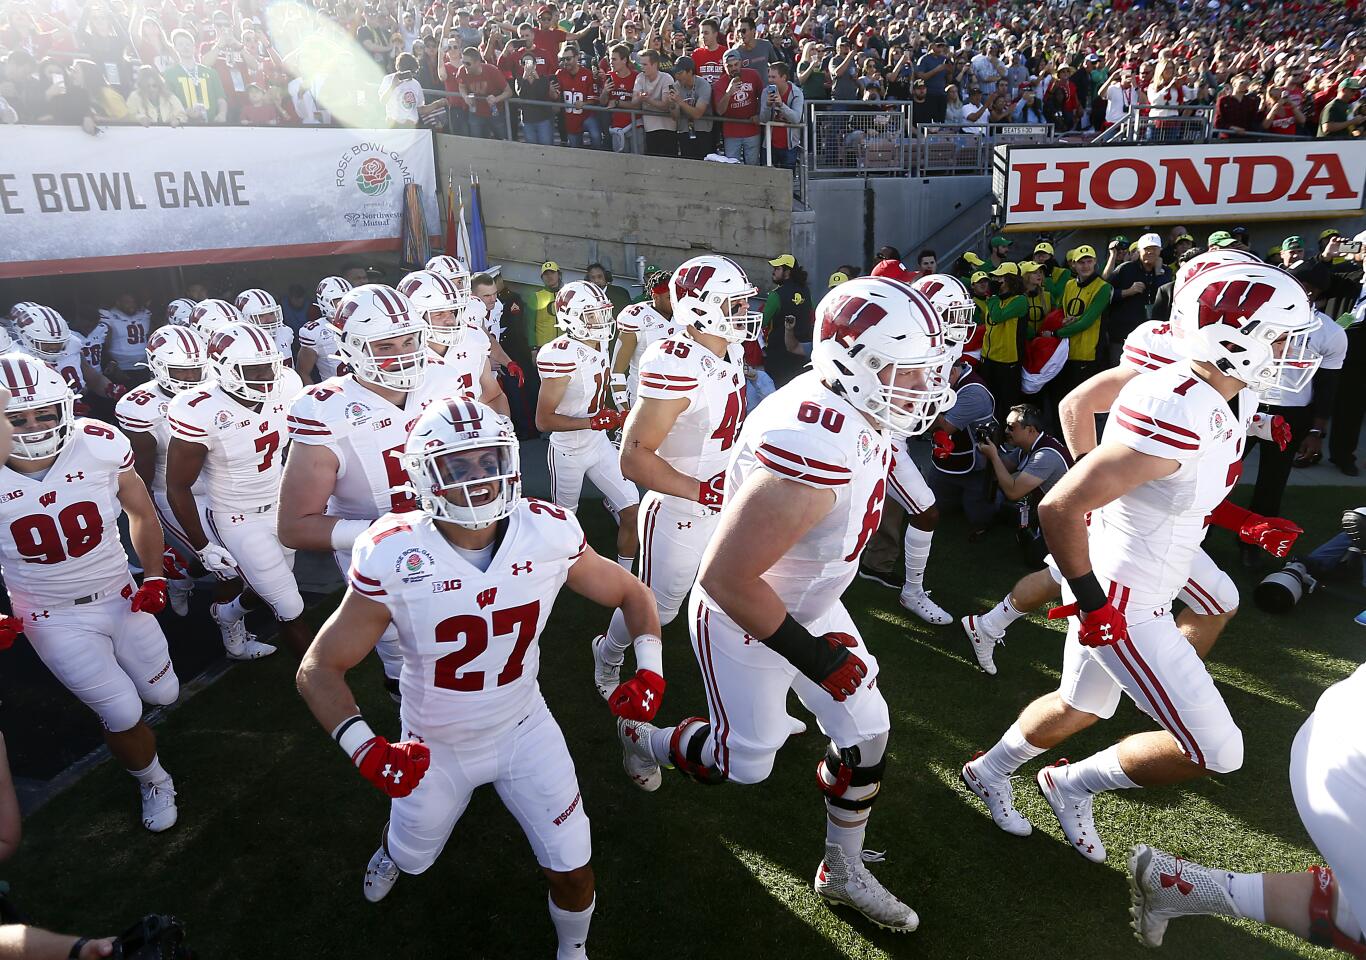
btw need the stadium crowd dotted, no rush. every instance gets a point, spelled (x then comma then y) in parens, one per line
(691, 73)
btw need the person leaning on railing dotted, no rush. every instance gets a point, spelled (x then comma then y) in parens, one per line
(783, 102)
(690, 100)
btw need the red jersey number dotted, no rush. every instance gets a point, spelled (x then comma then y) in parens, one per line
(472, 633)
(74, 532)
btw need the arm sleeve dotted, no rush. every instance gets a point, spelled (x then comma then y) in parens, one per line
(1099, 303)
(1012, 309)
(801, 456)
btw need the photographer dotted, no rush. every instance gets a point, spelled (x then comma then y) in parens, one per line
(960, 473)
(1027, 469)
(401, 94)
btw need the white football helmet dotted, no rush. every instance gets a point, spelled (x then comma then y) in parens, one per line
(329, 294)
(438, 301)
(178, 311)
(178, 358)
(583, 311)
(210, 316)
(953, 302)
(246, 362)
(712, 293)
(1208, 260)
(42, 331)
(372, 313)
(457, 448)
(259, 307)
(32, 385)
(870, 330)
(1252, 322)
(454, 270)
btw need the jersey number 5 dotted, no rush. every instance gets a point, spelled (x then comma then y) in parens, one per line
(472, 633)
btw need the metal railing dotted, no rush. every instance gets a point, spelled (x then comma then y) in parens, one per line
(1191, 123)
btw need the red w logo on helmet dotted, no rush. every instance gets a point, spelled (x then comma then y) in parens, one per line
(692, 281)
(219, 344)
(849, 317)
(930, 287)
(1231, 302)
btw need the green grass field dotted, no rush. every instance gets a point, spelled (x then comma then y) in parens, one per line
(276, 828)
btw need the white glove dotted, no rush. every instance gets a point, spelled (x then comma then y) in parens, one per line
(218, 561)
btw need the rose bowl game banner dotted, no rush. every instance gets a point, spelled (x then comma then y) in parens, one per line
(148, 197)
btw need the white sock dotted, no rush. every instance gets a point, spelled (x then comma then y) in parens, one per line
(618, 637)
(152, 773)
(571, 928)
(660, 740)
(626, 563)
(1011, 753)
(848, 839)
(1100, 772)
(1000, 617)
(229, 612)
(917, 555)
(1245, 890)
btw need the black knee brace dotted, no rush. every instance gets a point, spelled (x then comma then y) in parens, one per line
(846, 784)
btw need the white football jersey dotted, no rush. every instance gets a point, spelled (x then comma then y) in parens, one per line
(469, 637)
(144, 410)
(462, 368)
(680, 368)
(69, 366)
(587, 369)
(1149, 346)
(246, 446)
(650, 326)
(1148, 538)
(62, 534)
(127, 343)
(321, 339)
(805, 432)
(284, 342)
(93, 344)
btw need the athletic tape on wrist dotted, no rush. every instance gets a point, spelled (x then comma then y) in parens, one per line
(649, 651)
(352, 734)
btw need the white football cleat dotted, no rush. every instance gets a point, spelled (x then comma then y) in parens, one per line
(158, 805)
(1072, 807)
(636, 757)
(999, 797)
(840, 881)
(606, 675)
(920, 604)
(1164, 886)
(178, 595)
(381, 874)
(983, 643)
(239, 644)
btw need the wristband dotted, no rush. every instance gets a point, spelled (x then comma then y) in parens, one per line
(1086, 588)
(1315, 432)
(147, 580)
(352, 734)
(649, 652)
(77, 947)
(345, 532)
(793, 642)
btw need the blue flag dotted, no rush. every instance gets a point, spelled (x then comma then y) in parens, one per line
(479, 253)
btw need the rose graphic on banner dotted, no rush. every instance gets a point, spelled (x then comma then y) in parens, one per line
(373, 177)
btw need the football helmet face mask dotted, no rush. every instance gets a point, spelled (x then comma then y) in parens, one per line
(178, 358)
(881, 346)
(953, 303)
(42, 331)
(1251, 322)
(463, 463)
(246, 362)
(583, 311)
(382, 337)
(439, 303)
(329, 294)
(712, 294)
(33, 386)
(210, 316)
(260, 308)
(178, 312)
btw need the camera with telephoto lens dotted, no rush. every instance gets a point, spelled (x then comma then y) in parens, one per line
(1280, 591)
(987, 431)
(154, 937)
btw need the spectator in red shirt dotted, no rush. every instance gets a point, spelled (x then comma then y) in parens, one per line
(577, 85)
(482, 88)
(619, 88)
(707, 57)
(1238, 112)
(547, 35)
(736, 98)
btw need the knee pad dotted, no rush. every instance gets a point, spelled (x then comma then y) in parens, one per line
(163, 689)
(122, 714)
(851, 777)
(288, 607)
(1329, 928)
(1225, 755)
(685, 749)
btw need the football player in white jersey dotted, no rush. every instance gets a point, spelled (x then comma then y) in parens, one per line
(458, 345)
(1323, 904)
(129, 327)
(93, 344)
(804, 492)
(317, 340)
(1171, 451)
(67, 480)
(572, 408)
(468, 580)
(232, 431)
(638, 326)
(679, 436)
(261, 308)
(44, 335)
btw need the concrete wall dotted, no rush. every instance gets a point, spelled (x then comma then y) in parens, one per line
(578, 206)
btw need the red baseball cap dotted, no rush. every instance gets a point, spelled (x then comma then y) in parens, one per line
(894, 270)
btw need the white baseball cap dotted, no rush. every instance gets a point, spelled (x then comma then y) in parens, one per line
(1149, 240)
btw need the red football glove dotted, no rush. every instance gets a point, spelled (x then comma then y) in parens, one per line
(115, 390)
(943, 444)
(80, 408)
(849, 671)
(11, 629)
(1275, 535)
(712, 493)
(151, 596)
(173, 565)
(1280, 431)
(606, 420)
(639, 697)
(396, 768)
(1100, 627)
(514, 369)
